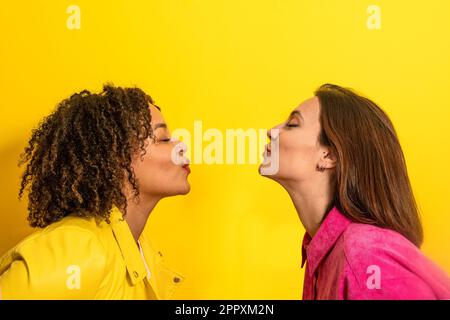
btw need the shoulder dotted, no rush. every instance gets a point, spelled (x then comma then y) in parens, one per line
(366, 245)
(383, 264)
(70, 235)
(369, 238)
(55, 260)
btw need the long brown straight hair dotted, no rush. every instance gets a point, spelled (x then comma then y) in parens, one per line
(371, 179)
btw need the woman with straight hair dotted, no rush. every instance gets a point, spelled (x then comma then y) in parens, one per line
(339, 158)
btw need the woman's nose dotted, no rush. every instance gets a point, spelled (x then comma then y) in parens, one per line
(182, 148)
(273, 133)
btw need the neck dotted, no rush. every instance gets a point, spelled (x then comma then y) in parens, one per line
(311, 201)
(138, 213)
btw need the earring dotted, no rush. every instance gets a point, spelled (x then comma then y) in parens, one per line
(320, 168)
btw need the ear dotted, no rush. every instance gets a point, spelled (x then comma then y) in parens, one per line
(328, 158)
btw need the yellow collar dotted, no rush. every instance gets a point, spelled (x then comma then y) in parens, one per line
(128, 246)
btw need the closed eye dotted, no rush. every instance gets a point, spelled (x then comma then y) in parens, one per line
(294, 119)
(291, 124)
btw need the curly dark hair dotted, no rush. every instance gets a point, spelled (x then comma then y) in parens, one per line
(79, 157)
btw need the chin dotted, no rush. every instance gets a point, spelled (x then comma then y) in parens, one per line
(259, 170)
(184, 189)
(270, 176)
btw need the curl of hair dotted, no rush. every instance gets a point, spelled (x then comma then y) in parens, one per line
(79, 158)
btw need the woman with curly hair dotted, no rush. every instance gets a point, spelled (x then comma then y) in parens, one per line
(95, 169)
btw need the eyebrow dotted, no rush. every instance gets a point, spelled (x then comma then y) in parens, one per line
(298, 113)
(160, 125)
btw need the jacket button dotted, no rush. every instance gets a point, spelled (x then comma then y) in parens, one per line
(176, 279)
(136, 274)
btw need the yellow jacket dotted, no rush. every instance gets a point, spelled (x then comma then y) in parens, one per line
(78, 258)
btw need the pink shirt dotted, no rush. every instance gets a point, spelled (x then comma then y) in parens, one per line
(348, 260)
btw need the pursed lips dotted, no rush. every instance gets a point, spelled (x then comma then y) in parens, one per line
(267, 150)
(185, 166)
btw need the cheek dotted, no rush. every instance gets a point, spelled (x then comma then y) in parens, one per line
(156, 165)
(297, 154)
(157, 173)
(160, 159)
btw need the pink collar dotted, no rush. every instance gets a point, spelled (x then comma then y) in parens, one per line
(316, 248)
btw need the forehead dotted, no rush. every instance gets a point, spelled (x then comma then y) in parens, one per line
(156, 114)
(309, 108)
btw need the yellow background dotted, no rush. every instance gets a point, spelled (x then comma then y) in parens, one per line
(233, 64)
